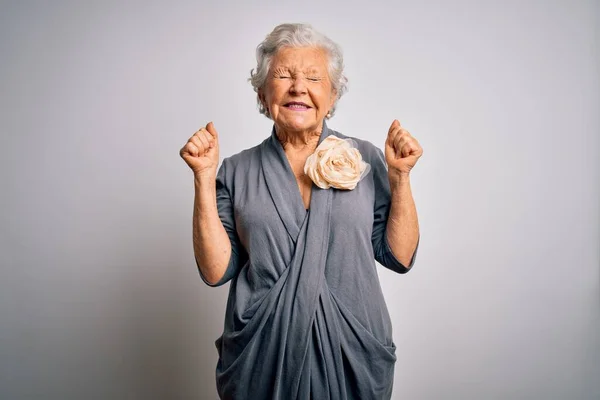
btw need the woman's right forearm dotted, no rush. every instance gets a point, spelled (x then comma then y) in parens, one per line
(212, 248)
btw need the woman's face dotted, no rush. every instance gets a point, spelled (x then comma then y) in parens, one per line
(298, 92)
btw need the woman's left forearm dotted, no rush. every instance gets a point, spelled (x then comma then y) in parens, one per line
(402, 224)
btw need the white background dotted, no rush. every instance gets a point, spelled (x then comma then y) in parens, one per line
(99, 293)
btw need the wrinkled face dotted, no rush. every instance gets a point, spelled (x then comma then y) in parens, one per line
(298, 91)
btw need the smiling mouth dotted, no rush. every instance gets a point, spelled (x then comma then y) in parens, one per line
(295, 105)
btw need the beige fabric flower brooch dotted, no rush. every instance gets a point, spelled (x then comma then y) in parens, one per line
(336, 163)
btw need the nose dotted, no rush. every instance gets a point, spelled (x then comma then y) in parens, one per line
(298, 86)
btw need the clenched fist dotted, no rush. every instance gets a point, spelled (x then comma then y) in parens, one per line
(201, 152)
(401, 150)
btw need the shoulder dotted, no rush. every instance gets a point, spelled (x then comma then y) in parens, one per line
(369, 152)
(243, 160)
(238, 169)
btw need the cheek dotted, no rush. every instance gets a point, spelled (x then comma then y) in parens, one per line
(268, 96)
(325, 96)
(272, 93)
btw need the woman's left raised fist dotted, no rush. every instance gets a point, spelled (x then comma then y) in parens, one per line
(401, 150)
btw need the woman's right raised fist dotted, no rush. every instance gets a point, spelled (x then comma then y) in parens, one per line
(201, 152)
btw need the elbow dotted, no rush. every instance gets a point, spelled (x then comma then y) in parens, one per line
(407, 262)
(407, 259)
(386, 257)
(213, 277)
(210, 280)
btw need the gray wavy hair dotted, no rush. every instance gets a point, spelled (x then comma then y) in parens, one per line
(297, 35)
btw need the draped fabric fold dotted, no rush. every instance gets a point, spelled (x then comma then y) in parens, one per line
(305, 316)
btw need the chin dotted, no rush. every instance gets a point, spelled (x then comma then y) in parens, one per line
(301, 125)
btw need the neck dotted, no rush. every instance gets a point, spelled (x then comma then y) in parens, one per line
(298, 139)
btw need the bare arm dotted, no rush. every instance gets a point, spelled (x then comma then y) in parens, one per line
(402, 151)
(403, 224)
(212, 248)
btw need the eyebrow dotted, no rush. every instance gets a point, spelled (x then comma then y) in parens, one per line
(309, 70)
(312, 70)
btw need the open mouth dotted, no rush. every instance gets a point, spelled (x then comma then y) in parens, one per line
(297, 105)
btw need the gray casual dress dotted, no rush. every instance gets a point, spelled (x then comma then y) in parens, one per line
(306, 317)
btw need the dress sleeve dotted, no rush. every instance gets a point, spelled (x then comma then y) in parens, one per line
(226, 214)
(381, 247)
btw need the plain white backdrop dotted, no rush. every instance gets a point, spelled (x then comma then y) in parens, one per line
(99, 293)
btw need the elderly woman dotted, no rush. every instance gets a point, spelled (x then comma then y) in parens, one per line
(296, 224)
